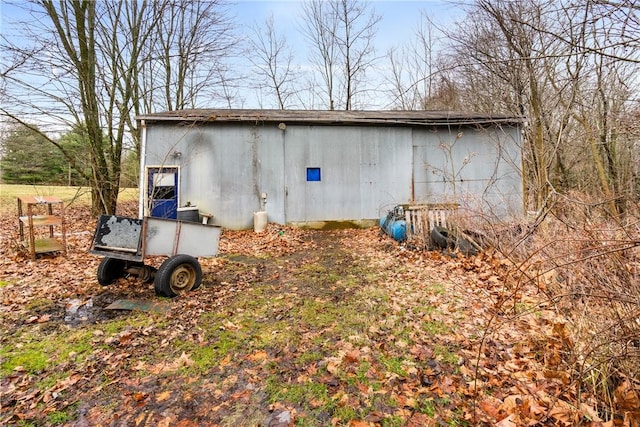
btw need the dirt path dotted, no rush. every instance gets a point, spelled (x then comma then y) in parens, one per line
(290, 327)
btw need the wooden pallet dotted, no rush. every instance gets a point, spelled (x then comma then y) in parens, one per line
(423, 217)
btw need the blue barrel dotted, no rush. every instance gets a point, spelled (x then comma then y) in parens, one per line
(394, 227)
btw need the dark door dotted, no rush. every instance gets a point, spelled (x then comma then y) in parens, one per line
(162, 191)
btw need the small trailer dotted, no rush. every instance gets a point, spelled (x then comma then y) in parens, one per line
(126, 242)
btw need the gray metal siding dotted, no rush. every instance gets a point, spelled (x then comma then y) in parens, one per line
(217, 168)
(366, 170)
(363, 169)
(476, 167)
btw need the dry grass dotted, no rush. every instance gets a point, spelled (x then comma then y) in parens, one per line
(586, 265)
(70, 195)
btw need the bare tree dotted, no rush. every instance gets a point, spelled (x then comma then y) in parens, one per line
(193, 39)
(502, 67)
(403, 93)
(603, 70)
(319, 28)
(623, 35)
(124, 32)
(340, 34)
(568, 68)
(419, 77)
(273, 62)
(75, 28)
(97, 64)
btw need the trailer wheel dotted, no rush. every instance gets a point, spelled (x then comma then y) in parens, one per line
(109, 270)
(176, 275)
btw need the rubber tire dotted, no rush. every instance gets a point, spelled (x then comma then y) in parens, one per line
(109, 270)
(466, 247)
(443, 237)
(177, 274)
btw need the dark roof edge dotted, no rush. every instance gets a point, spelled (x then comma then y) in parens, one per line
(378, 117)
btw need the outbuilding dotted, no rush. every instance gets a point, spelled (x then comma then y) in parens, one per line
(315, 167)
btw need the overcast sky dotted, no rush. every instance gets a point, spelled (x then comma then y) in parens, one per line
(399, 17)
(398, 24)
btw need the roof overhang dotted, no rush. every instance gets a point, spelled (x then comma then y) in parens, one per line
(322, 117)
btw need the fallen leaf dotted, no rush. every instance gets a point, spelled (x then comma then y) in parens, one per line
(508, 422)
(139, 396)
(258, 356)
(161, 397)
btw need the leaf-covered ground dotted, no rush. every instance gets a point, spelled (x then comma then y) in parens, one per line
(290, 327)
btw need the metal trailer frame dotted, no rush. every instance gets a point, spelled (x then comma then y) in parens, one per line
(125, 243)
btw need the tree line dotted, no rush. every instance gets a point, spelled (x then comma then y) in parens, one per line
(568, 67)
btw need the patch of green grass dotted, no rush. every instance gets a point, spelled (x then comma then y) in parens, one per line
(58, 418)
(297, 393)
(136, 320)
(392, 421)
(37, 352)
(435, 327)
(319, 314)
(345, 413)
(427, 407)
(309, 357)
(31, 358)
(526, 307)
(314, 271)
(51, 380)
(205, 357)
(363, 371)
(4, 283)
(395, 365)
(445, 354)
(437, 288)
(40, 304)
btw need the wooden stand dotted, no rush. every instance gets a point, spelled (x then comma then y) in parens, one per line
(38, 211)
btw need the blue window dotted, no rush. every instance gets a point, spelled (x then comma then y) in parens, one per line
(313, 174)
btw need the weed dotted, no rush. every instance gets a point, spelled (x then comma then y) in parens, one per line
(445, 354)
(57, 418)
(394, 365)
(297, 392)
(435, 327)
(427, 407)
(393, 421)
